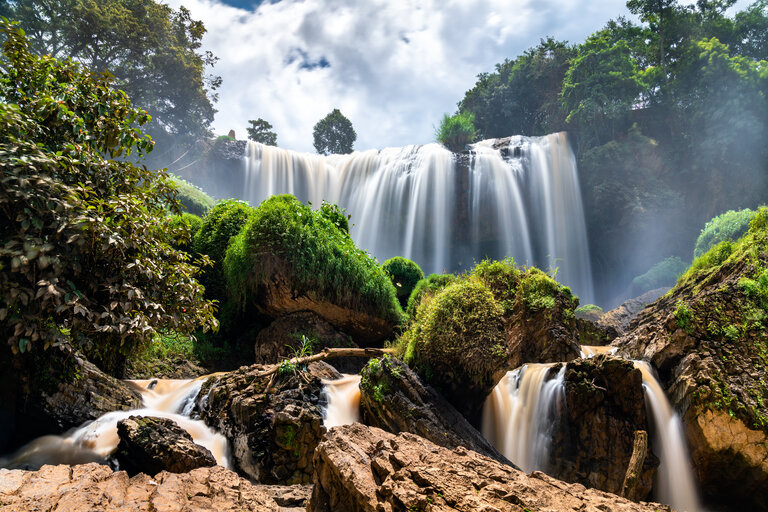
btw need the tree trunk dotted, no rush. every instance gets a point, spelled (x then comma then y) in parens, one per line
(635, 467)
(327, 354)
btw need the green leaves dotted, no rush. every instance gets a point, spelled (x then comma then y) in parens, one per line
(334, 134)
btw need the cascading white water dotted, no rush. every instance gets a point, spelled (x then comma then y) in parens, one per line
(343, 401)
(676, 484)
(588, 351)
(418, 202)
(518, 415)
(95, 440)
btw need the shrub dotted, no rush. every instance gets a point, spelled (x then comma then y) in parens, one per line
(589, 308)
(182, 230)
(502, 278)
(192, 198)
(663, 273)
(730, 226)
(456, 131)
(405, 274)
(538, 290)
(338, 216)
(320, 258)
(426, 288)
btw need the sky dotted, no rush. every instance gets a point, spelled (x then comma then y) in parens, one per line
(393, 67)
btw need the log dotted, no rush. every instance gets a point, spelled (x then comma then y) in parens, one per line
(329, 353)
(635, 467)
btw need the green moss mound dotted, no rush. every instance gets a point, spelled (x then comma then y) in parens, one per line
(192, 198)
(539, 291)
(427, 287)
(457, 339)
(728, 226)
(589, 308)
(405, 274)
(502, 278)
(322, 260)
(182, 230)
(663, 273)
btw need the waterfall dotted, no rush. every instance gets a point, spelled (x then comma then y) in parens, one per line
(516, 198)
(675, 481)
(519, 414)
(96, 440)
(343, 401)
(588, 351)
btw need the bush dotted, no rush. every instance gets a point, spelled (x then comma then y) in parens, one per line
(426, 288)
(730, 226)
(664, 273)
(538, 290)
(192, 198)
(405, 274)
(182, 230)
(588, 308)
(456, 131)
(321, 260)
(502, 278)
(338, 216)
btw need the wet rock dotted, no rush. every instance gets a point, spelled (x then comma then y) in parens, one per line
(92, 487)
(393, 397)
(150, 445)
(273, 423)
(359, 468)
(619, 318)
(593, 441)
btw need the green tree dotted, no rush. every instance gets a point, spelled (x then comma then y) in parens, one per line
(152, 50)
(334, 134)
(654, 12)
(261, 131)
(84, 254)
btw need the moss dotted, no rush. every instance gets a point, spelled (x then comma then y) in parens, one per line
(502, 278)
(405, 274)
(589, 308)
(428, 287)
(373, 380)
(684, 317)
(192, 198)
(538, 290)
(322, 260)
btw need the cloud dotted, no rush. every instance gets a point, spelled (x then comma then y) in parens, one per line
(393, 67)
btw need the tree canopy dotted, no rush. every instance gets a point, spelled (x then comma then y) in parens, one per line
(261, 131)
(334, 134)
(83, 257)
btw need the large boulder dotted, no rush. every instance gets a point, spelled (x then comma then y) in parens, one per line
(273, 423)
(393, 397)
(151, 445)
(90, 487)
(359, 468)
(707, 339)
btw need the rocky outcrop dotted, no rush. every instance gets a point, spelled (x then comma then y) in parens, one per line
(392, 397)
(273, 423)
(90, 487)
(619, 318)
(360, 468)
(151, 445)
(594, 439)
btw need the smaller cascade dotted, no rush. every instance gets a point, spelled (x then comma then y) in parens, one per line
(588, 351)
(343, 398)
(519, 414)
(675, 481)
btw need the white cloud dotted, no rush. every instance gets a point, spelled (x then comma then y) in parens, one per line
(395, 66)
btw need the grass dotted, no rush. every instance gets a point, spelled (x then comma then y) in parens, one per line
(456, 131)
(730, 226)
(192, 198)
(162, 354)
(405, 275)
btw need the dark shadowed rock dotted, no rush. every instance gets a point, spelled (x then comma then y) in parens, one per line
(150, 445)
(620, 317)
(359, 468)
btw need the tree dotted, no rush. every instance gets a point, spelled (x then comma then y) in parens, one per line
(84, 254)
(654, 11)
(152, 50)
(261, 131)
(334, 134)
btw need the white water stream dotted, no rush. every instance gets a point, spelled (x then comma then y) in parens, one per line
(343, 401)
(95, 440)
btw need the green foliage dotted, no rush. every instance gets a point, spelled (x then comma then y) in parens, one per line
(334, 134)
(183, 228)
(538, 290)
(319, 258)
(162, 354)
(337, 215)
(404, 274)
(730, 226)
(152, 50)
(261, 131)
(589, 308)
(712, 258)
(663, 273)
(683, 317)
(502, 278)
(81, 248)
(192, 198)
(757, 289)
(428, 287)
(456, 131)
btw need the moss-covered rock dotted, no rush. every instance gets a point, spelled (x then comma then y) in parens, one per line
(728, 226)
(405, 274)
(502, 278)
(290, 258)
(193, 200)
(426, 288)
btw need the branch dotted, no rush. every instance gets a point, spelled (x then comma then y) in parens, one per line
(329, 353)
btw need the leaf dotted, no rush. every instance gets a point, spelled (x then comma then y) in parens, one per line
(23, 344)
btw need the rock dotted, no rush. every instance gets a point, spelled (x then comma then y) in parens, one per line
(228, 150)
(283, 338)
(392, 397)
(273, 425)
(618, 318)
(96, 487)
(150, 445)
(593, 442)
(359, 468)
(288, 496)
(595, 333)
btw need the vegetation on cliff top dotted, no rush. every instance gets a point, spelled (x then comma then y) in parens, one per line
(405, 274)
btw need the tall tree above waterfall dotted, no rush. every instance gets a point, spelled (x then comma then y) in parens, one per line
(152, 50)
(261, 131)
(334, 134)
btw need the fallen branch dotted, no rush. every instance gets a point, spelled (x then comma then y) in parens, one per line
(635, 467)
(328, 353)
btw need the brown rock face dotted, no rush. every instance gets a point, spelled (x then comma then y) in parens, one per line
(273, 427)
(92, 487)
(605, 407)
(620, 317)
(150, 445)
(360, 468)
(393, 397)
